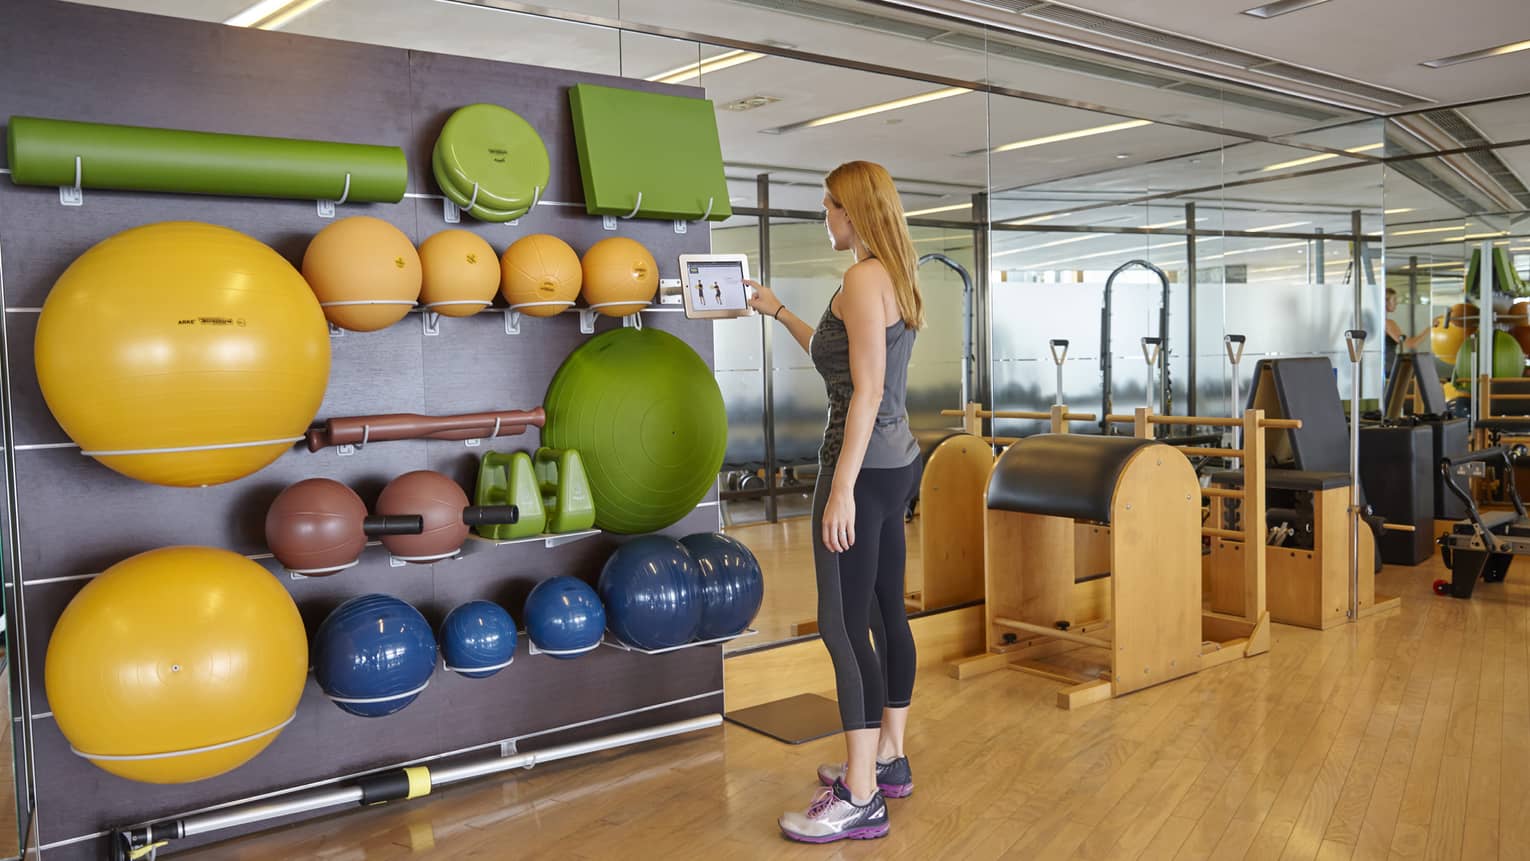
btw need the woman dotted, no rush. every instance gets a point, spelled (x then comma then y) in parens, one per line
(1395, 336)
(868, 473)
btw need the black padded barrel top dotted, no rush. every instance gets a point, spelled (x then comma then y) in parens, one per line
(1063, 475)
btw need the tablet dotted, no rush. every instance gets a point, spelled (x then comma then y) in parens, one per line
(714, 285)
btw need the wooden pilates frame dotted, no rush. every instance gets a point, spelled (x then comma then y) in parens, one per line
(1019, 639)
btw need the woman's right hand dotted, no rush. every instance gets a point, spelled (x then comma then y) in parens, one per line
(764, 299)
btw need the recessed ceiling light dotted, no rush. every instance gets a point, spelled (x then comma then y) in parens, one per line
(1073, 135)
(1422, 230)
(271, 14)
(1398, 211)
(1123, 155)
(1281, 7)
(857, 113)
(1276, 226)
(681, 74)
(934, 209)
(1483, 54)
(1037, 220)
(749, 103)
(1314, 159)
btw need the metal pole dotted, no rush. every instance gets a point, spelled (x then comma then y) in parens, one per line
(1485, 335)
(1354, 339)
(1150, 353)
(1190, 315)
(1357, 253)
(767, 351)
(1234, 346)
(1413, 295)
(1318, 273)
(318, 799)
(982, 305)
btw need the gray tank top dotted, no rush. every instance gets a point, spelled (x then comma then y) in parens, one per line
(892, 444)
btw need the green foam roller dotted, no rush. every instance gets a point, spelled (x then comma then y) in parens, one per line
(565, 490)
(137, 158)
(510, 479)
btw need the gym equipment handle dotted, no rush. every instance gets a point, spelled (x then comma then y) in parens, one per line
(393, 524)
(487, 515)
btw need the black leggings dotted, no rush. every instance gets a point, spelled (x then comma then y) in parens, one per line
(860, 596)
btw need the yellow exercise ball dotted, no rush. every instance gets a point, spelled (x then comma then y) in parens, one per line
(1445, 342)
(182, 353)
(540, 275)
(460, 273)
(620, 276)
(365, 272)
(176, 665)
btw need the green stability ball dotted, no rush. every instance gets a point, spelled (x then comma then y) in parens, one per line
(646, 416)
(1508, 357)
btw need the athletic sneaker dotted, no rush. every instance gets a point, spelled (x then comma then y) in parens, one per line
(893, 778)
(834, 816)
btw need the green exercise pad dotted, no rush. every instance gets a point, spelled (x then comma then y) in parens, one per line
(510, 479)
(135, 158)
(455, 195)
(646, 416)
(665, 147)
(565, 490)
(498, 151)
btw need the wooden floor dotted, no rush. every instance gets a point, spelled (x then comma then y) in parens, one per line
(1406, 735)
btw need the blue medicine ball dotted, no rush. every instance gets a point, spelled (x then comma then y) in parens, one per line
(732, 586)
(651, 590)
(373, 655)
(477, 639)
(564, 617)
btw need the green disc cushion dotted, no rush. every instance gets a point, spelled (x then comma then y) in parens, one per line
(496, 149)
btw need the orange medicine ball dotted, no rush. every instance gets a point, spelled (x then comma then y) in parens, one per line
(461, 273)
(365, 272)
(540, 275)
(620, 276)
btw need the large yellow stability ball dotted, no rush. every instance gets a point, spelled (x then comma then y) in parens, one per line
(540, 276)
(620, 276)
(365, 272)
(460, 273)
(182, 353)
(175, 665)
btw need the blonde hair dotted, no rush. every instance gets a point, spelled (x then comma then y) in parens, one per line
(866, 192)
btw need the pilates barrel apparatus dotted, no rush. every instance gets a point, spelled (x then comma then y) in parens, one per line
(1147, 493)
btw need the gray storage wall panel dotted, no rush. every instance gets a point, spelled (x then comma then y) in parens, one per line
(77, 518)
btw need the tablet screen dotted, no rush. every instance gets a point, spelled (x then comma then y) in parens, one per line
(716, 285)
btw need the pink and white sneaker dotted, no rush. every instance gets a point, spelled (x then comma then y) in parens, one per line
(834, 816)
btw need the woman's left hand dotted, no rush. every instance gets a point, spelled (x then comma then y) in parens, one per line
(839, 521)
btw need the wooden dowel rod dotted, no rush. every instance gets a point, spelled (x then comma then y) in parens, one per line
(1399, 527)
(1205, 451)
(1501, 397)
(1225, 492)
(1207, 421)
(1022, 414)
(1051, 632)
(1221, 533)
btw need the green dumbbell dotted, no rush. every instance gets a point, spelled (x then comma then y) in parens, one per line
(510, 479)
(565, 490)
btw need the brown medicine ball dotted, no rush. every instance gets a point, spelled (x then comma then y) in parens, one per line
(436, 498)
(315, 527)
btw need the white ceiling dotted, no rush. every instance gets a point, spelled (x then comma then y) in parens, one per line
(1379, 42)
(928, 146)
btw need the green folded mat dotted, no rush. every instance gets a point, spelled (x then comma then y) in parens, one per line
(1505, 279)
(665, 147)
(136, 158)
(455, 195)
(496, 150)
